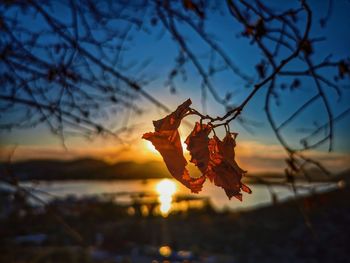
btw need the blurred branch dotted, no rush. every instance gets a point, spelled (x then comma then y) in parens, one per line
(7, 177)
(73, 72)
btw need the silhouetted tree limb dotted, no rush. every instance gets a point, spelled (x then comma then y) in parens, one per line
(69, 67)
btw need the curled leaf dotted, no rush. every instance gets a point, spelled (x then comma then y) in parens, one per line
(173, 120)
(197, 145)
(195, 184)
(213, 157)
(168, 144)
(166, 140)
(223, 169)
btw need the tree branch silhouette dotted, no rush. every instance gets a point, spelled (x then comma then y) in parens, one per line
(71, 68)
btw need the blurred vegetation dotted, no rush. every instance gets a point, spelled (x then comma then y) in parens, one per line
(307, 229)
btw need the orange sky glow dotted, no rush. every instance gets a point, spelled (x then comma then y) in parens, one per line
(251, 155)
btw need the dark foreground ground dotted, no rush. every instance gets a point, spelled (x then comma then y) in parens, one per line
(313, 229)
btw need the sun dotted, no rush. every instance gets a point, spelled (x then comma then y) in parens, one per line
(166, 187)
(151, 147)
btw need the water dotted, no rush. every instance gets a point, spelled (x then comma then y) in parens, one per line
(261, 194)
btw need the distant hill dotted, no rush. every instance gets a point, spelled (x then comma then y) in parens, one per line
(313, 176)
(94, 169)
(86, 169)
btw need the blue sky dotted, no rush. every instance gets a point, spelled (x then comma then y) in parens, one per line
(163, 52)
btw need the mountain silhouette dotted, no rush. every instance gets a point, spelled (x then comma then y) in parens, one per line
(85, 169)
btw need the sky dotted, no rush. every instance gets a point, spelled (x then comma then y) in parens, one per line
(257, 149)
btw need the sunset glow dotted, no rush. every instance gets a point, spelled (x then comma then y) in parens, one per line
(174, 131)
(151, 147)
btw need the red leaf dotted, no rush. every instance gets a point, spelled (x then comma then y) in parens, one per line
(166, 140)
(169, 146)
(173, 120)
(223, 169)
(213, 157)
(197, 145)
(195, 184)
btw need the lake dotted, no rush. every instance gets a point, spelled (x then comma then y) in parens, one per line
(260, 196)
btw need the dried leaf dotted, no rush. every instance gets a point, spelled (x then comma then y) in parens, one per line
(223, 169)
(195, 184)
(197, 145)
(166, 140)
(213, 157)
(173, 120)
(168, 144)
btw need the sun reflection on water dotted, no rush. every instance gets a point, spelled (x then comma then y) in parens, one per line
(165, 189)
